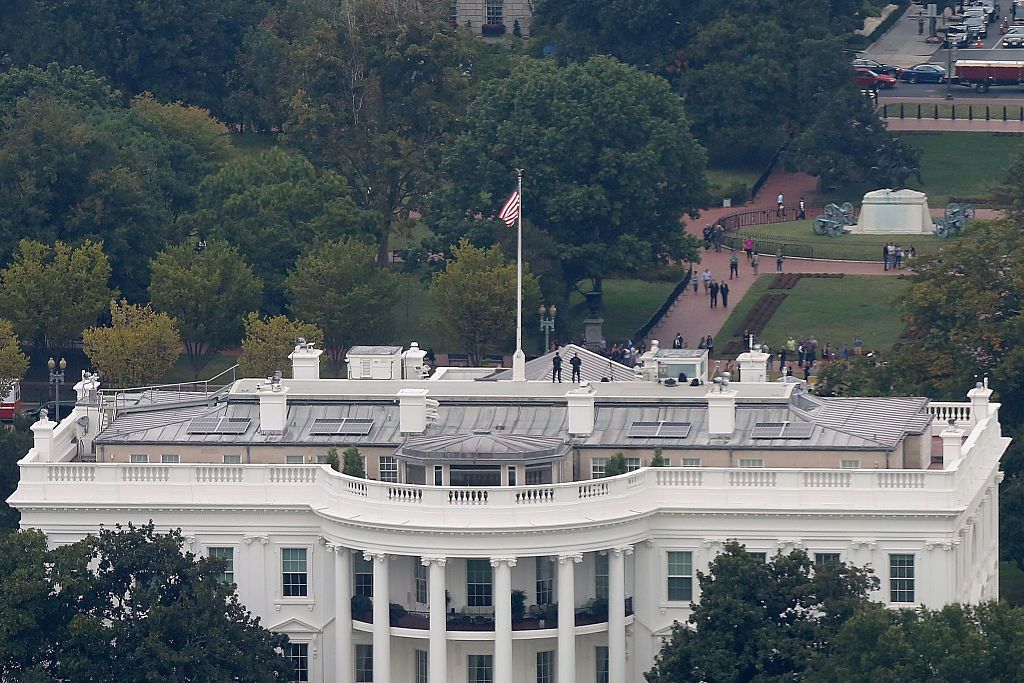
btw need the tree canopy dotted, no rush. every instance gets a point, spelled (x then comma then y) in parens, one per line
(610, 164)
(138, 347)
(268, 341)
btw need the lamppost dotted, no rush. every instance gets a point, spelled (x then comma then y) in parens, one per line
(547, 323)
(56, 378)
(950, 56)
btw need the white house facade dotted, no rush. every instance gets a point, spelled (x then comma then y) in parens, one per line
(486, 546)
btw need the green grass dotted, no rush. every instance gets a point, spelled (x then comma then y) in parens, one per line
(845, 247)
(727, 176)
(834, 310)
(628, 304)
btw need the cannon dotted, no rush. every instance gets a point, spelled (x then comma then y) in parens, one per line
(956, 218)
(835, 220)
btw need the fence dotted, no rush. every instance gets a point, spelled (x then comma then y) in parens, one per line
(768, 243)
(655, 319)
(965, 112)
(745, 219)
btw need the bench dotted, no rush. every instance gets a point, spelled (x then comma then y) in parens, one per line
(458, 360)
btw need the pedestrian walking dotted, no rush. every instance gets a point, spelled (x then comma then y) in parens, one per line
(718, 235)
(734, 265)
(885, 257)
(695, 283)
(858, 346)
(709, 344)
(706, 277)
(778, 261)
(748, 246)
(714, 294)
(556, 369)
(707, 237)
(802, 216)
(780, 205)
(576, 364)
(725, 295)
(754, 263)
(677, 343)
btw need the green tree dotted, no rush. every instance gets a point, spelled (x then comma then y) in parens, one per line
(161, 612)
(615, 465)
(332, 459)
(610, 163)
(475, 296)
(761, 621)
(268, 341)
(371, 88)
(14, 444)
(50, 294)
(353, 464)
(659, 460)
(339, 287)
(207, 292)
(272, 206)
(139, 347)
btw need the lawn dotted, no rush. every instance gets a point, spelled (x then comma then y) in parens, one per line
(845, 247)
(834, 310)
(959, 164)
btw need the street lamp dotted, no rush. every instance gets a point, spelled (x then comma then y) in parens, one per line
(56, 378)
(547, 323)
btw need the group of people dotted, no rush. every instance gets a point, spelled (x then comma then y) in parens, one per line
(806, 354)
(895, 256)
(780, 208)
(556, 367)
(627, 352)
(713, 288)
(707, 342)
(714, 236)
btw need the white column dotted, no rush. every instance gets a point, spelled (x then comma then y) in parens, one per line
(381, 617)
(503, 618)
(617, 613)
(438, 657)
(342, 612)
(567, 617)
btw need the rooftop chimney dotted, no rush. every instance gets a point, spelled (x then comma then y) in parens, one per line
(753, 365)
(581, 410)
(721, 407)
(42, 437)
(415, 410)
(413, 366)
(952, 441)
(273, 405)
(979, 396)
(305, 360)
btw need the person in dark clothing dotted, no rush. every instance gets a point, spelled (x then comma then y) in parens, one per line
(709, 344)
(556, 368)
(714, 294)
(725, 295)
(885, 257)
(576, 364)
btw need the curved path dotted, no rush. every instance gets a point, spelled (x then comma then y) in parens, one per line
(692, 315)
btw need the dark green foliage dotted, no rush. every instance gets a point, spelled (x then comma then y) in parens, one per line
(353, 464)
(659, 460)
(14, 444)
(615, 465)
(125, 605)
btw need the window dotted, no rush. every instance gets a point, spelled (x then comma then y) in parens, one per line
(298, 657)
(232, 459)
(601, 659)
(438, 475)
(494, 13)
(481, 668)
(170, 458)
(680, 575)
(474, 475)
(453, 15)
(421, 666)
(139, 458)
(751, 462)
(228, 555)
(478, 583)
(632, 464)
(293, 573)
(601, 576)
(545, 580)
(364, 663)
(364, 576)
(420, 579)
(850, 464)
(538, 474)
(759, 556)
(512, 476)
(597, 468)
(545, 668)
(294, 460)
(389, 469)
(691, 462)
(901, 578)
(321, 459)
(826, 558)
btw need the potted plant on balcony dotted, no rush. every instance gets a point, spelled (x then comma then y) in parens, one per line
(492, 29)
(551, 615)
(518, 605)
(395, 613)
(362, 606)
(599, 609)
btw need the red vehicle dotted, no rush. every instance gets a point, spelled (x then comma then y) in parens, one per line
(866, 78)
(982, 75)
(11, 405)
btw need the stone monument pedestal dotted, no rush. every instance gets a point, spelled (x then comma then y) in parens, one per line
(593, 335)
(899, 212)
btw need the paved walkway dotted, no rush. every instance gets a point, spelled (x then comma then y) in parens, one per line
(978, 125)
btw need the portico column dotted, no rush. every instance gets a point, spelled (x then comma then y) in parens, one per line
(342, 612)
(617, 613)
(567, 617)
(503, 618)
(381, 617)
(437, 671)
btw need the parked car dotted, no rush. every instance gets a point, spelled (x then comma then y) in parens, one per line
(866, 78)
(955, 37)
(1013, 40)
(924, 73)
(877, 67)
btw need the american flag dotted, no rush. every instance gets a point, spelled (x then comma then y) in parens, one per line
(510, 211)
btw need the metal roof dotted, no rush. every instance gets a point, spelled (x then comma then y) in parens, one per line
(373, 350)
(482, 445)
(594, 367)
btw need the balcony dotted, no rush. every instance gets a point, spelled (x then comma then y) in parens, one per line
(537, 618)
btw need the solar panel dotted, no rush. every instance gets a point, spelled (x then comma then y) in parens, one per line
(218, 425)
(326, 425)
(659, 430)
(797, 430)
(347, 426)
(767, 430)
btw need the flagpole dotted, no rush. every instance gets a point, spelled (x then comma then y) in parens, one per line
(519, 358)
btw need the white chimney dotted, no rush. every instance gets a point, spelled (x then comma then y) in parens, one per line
(273, 406)
(753, 365)
(413, 366)
(979, 396)
(721, 410)
(305, 360)
(415, 410)
(649, 371)
(952, 440)
(581, 411)
(89, 406)
(42, 437)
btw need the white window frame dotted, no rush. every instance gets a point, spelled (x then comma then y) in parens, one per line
(472, 673)
(421, 666)
(139, 458)
(170, 459)
(633, 464)
(597, 466)
(364, 656)
(752, 463)
(691, 462)
(321, 459)
(420, 579)
(893, 589)
(389, 475)
(306, 655)
(360, 562)
(546, 666)
(231, 459)
(294, 460)
(669, 576)
(494, 12)
(601, 576)
(849, 464)
(544, 580)
(601, 664)
(759, 555)
(228, 575)
(832, 554)
(303, 599)
(483, 599)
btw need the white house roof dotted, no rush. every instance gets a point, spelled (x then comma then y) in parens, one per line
(594, 367)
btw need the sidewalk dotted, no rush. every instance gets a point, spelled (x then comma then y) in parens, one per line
(901, 45)
(977, 125)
